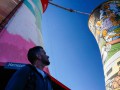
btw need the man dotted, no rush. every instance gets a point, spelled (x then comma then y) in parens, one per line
(32, 77)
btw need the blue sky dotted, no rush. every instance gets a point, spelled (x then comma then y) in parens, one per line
(74, 54)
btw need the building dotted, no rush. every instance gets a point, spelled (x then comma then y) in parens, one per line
(104, 23)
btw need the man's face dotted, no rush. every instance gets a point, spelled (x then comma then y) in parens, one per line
(43, 57)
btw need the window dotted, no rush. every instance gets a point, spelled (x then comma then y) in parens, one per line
(118, 63)
(109, 71)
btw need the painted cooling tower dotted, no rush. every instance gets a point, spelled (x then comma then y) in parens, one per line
(22, 31)
(104, 23)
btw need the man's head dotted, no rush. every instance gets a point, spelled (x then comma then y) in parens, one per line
(37, 55)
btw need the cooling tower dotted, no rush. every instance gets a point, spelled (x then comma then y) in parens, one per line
(104, 23)
(20, 24)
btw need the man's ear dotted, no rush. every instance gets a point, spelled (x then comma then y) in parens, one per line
(38, 56)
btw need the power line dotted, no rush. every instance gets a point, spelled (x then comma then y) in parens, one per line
(68, 9)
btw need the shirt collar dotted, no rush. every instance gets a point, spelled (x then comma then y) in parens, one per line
(41, 72)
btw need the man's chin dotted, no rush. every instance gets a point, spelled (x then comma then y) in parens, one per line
(47, 63)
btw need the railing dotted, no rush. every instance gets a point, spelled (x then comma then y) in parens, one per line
(7, 10)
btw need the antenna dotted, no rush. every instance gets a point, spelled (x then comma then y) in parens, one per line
(67, 9)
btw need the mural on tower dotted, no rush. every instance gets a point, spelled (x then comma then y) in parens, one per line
(22, 31)
(104, 23)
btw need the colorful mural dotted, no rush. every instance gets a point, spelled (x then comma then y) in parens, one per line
(6, 6)
(23, 30)
(104, 23)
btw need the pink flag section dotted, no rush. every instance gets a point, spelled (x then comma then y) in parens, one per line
(13, 48)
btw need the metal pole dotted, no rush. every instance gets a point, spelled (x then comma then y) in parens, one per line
(68, 9)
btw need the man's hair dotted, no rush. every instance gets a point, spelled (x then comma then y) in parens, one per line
(32, 54)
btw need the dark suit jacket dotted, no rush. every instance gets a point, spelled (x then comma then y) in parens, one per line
(28, 78)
